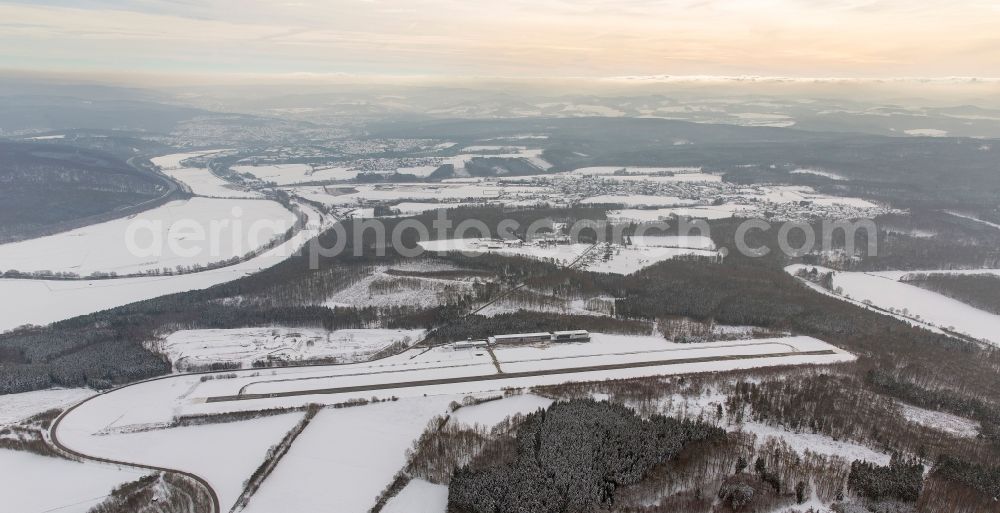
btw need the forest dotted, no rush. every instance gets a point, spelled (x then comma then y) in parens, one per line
(835, 402)
(979, 290)
(49, 188)
(572, 458)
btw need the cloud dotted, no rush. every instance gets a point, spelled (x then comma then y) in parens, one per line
(512, 37)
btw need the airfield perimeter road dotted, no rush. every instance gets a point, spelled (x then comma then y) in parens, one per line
(54, 439)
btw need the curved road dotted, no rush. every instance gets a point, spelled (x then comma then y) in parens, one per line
(54, 436)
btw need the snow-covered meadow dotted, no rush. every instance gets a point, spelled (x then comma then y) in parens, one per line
(626, 260)
(606, 258)
(419, 496)
(383, 290)
(198, 348)
(886, 292)
(560, 253)
(16, 407)
(179, 234)
(38, 484)
(490, 413)
(819, 172)
(176, 160)
(951, 424)
(46, 301)
(225, 454)
(201, 181)
(289, 174)
(346, 457)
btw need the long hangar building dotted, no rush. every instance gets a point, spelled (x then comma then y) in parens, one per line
(528, 338)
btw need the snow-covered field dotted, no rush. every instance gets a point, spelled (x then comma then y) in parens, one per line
(951, 424)
(45, 301)
(921, 304)
(225, 455)
(428, 292)
(763, 119)
(626, 260)
(705, 407)
(420, 171)
(560, 253)
(817, 443)
(797, 193)
(532, 155)
(491, 413)
(643, 252)
(39, 484)
(926, 132)
(794, 268)
(16, 407)
(419, 496)
(174, 160)
(346, 457)
(819, 172)
(182, 233)
(508, 304)
(201, 181)
(288, 174)
(187, 348)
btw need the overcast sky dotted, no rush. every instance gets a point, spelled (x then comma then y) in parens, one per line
(507, 38)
